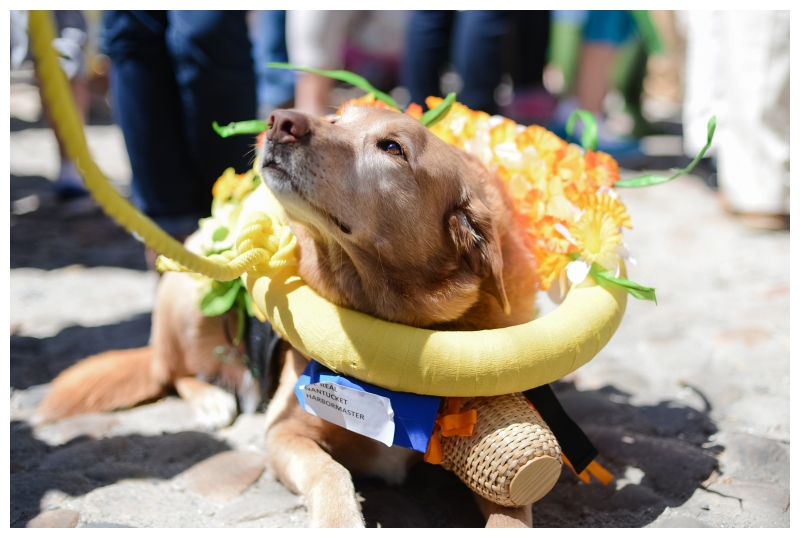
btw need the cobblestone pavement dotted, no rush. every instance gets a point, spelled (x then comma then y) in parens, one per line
(688, 405)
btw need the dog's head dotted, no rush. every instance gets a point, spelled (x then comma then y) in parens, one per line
(390, 220)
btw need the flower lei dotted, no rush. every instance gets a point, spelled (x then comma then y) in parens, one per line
(563, 194)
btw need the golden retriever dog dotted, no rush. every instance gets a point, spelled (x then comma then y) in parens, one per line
(390, 221)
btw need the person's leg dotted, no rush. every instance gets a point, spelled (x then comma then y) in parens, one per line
(316, 39)
(604, 32)
(754, 123)
(533, 36)
(275, 86)
(147, 107)
(210, 53)
(427, 52)
(70, 45)
(477, 42)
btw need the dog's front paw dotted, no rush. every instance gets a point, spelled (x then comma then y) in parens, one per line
(343, 516)
(214, 408)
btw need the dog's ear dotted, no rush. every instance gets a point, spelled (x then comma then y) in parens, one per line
(477, 241)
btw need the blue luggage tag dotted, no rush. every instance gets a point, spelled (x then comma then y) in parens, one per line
(414, 414)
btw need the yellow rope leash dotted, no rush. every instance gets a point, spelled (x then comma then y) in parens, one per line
(390, 355)
(266, 244)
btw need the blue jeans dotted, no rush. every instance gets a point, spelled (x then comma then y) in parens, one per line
(275, 86)
(475, 38)
(174, 73)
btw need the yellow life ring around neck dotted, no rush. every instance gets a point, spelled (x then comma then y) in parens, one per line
(440, 363)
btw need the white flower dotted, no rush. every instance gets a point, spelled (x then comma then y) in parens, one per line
(577, 270)
(509, 155)
(458, 124)
(494, 121)
(624, 252)
(605, 189)
(560, 228)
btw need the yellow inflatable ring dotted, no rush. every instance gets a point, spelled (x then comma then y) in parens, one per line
(440, 363)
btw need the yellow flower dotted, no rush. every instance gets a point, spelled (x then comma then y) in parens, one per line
(232, 186)
(604, 203)
(505, 131)
(596, 234)
(546, 143)
(570, 165)
(551, 266)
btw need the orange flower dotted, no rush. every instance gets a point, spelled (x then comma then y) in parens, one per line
(367, 100)
(414, 110)
(550, 266)
(548, 235)
(601, 168)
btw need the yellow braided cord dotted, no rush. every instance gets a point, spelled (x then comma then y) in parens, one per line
(266, 234)
(256, 255)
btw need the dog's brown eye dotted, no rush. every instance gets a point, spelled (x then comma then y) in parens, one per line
(391, 147)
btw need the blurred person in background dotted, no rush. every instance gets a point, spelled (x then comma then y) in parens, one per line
(524, 58)
(173, 73)
(275, 87)
(599, 35)
(737, 68)
(316, 39)
(70, 44)
(368, 43)
(471, 40)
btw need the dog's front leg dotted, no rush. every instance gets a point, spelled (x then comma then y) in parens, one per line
(502, 516)
(301, 464)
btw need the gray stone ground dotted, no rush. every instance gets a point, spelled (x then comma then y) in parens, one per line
(688, 405)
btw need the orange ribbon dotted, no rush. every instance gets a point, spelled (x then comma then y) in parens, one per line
(449, 423)
(595, 469)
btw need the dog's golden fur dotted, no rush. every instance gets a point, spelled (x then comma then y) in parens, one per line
(390, 221)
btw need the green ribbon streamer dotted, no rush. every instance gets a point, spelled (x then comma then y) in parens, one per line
(435, 115)
(240, 128)
(606, 278)
(589, 137)
(429, 119)
(344, 76)
(652, 179)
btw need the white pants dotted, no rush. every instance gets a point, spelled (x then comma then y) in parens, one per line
(737, 68)
(315, 38)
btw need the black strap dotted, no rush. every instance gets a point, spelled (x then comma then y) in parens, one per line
(574, 444)
(263, 346)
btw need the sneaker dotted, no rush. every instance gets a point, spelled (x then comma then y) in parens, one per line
(69, 184)
(618, 146)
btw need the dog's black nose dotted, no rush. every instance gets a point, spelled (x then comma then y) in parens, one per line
(288, 126)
